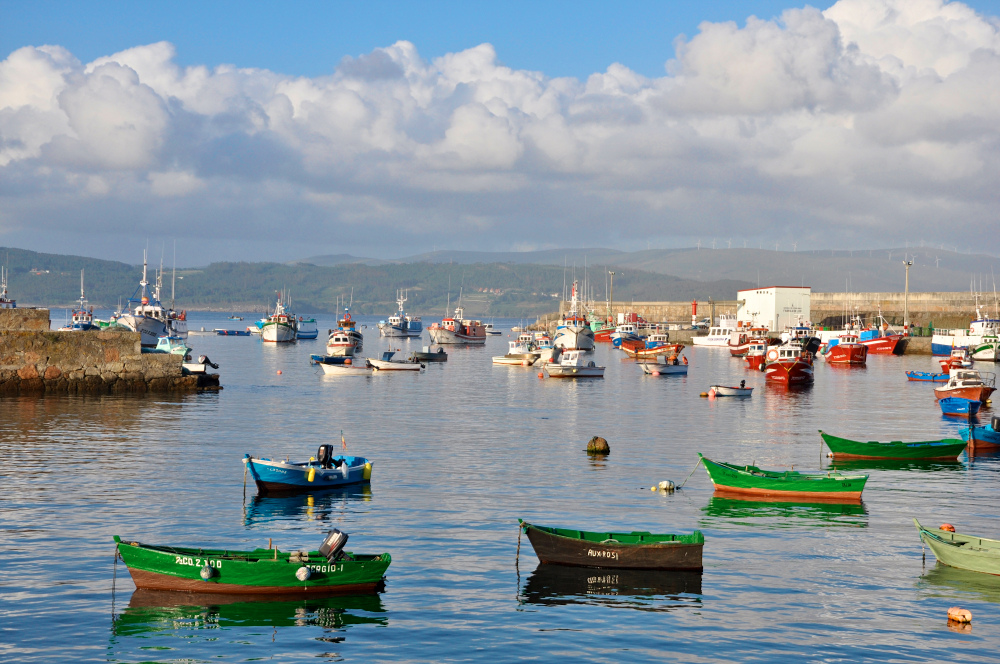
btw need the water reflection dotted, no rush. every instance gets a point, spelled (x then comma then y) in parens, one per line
(152, 612)
(325, 505)
(645, 590)
(944, 581)
(784, 514)
(918, 465)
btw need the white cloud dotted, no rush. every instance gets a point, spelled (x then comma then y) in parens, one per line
(883, 115)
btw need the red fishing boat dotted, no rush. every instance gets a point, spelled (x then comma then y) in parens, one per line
(883, 340)
(847, 350)
(959, 359)
(756, 353)
(741, 338)
(458, 330)
(968, 384)
(791, 363)
(654, 345)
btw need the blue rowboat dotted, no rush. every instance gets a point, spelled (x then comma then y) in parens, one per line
(982, 438)
(927, 377)
(325, 471)
(959, 407)
(329, 359)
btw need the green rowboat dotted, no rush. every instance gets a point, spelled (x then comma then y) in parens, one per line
(751, 480)
(843, 448)
(257, 572)
(977, 554)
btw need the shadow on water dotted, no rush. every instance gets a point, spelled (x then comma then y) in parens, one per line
(315, 506)
(940, 580)
(645, 590)
(782, 514)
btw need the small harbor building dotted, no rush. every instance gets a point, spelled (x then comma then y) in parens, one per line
(775, 307)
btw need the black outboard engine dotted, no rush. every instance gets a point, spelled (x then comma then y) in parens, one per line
(812, 344)
(325, 456)
(203, 359)
(332, 547)
(995, 423)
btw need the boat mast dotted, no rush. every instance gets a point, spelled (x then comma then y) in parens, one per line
(173, 279)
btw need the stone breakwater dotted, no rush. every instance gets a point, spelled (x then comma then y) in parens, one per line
(93, 362)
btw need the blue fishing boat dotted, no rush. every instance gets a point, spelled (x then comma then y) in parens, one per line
(232, 333)
(329, 359)
(325, 470)
(984, 438)
(959, 407)
(927, 377)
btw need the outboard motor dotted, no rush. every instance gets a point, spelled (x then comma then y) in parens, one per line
(203, 359)
(812, 344)
(332, 547)
(325, 456)
(995, 423)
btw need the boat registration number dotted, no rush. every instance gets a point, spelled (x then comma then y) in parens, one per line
(329, 569)
(613, 555)
(197, 562)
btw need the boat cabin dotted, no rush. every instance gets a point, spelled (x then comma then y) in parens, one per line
(658, 340)
(970, 378)
(789, 353)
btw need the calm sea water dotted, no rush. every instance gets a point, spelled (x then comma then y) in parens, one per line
(460, 451)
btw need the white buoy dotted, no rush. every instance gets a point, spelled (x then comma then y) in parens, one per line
(206, 572)
(303, 573)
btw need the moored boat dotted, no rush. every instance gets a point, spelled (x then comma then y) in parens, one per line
(968, 384)
(728, 391)
(987, 349)
(520, 353)
(258, 572)
(718, 336)
(791, 363)
(651, 346)
(959, 358)
(751, 480)
(846, 349)
(926, 377)
(400, 325)
(279, 327)
(573, 330)
(756, 355)
(959, 407)
(664, 366)
(621, 550)
(326, 470)
(963, 551)
(458, 330)
(844, 448)
(984, 438)
(572, 365)
(347, 368)
(5, 302)
(307, 328)
(386, 363)
(82, 318)
(169, 345)
(426, 355)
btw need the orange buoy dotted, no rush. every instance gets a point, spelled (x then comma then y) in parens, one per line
(541, 374)
(947, 526)
(703, 395)
(959, 614)
(656, 373)
(279, 372)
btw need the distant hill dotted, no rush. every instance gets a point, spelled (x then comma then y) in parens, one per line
(825, 271)
(498, 289)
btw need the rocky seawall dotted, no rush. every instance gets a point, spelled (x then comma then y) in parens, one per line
(34, 360)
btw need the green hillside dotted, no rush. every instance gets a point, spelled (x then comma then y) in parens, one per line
(513, 289)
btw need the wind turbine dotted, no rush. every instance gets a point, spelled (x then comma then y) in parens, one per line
(937, 261)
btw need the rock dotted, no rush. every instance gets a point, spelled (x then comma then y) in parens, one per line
(598, 445)
(51, 373)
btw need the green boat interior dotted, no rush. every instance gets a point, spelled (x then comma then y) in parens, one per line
(634, 537)
(251, 556)
(787, 474)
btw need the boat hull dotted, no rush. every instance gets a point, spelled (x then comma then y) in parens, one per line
(982, 438)
(555, 549)
(926, 377)
(345, 370)
(725, 391)
(754, 362)
(382, 365)
(850, 354)
(400, 331)
(976, 393)
(728, 478)
(277, 477)
(557, 371)
(277, 333)
(655, 369)
(261, 572)
(977, 554)
(573, 338)
(440, 335)
(843, 448)
(787, 372)
(893, 344)
(150, 329)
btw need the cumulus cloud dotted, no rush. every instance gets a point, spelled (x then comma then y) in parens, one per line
(879, 118)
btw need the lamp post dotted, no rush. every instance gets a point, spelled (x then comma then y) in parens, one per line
(906, 298)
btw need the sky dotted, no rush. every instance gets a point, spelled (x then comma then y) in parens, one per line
(267, 131)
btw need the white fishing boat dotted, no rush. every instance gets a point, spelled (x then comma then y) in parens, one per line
(386, 363)
(490, 329)
(718, 336)
(83, 319)
(458, 330)
(146, 317)
(399, 325)
(665, 366)
(345, 341)
(279, 327)
(573, 330)
(346, 369)
(520, 353)
(307, 328)
(572, 365)
(5, 302)
(980, 332)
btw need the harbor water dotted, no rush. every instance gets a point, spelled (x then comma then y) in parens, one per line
(460, 451)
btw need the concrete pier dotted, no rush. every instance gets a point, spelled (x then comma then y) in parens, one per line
(34, 360)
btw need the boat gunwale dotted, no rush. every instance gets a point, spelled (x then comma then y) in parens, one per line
(696, 538)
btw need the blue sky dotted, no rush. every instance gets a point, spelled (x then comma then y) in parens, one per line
(390, 128)
(310, 38)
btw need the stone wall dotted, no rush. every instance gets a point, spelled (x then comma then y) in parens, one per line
(36, 320)
(93, 362)
(675, 312)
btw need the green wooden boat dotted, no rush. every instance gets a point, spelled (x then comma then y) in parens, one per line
(635, 550)
(751, 480)
(977, 554)
(843, 448)
(257, 572)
